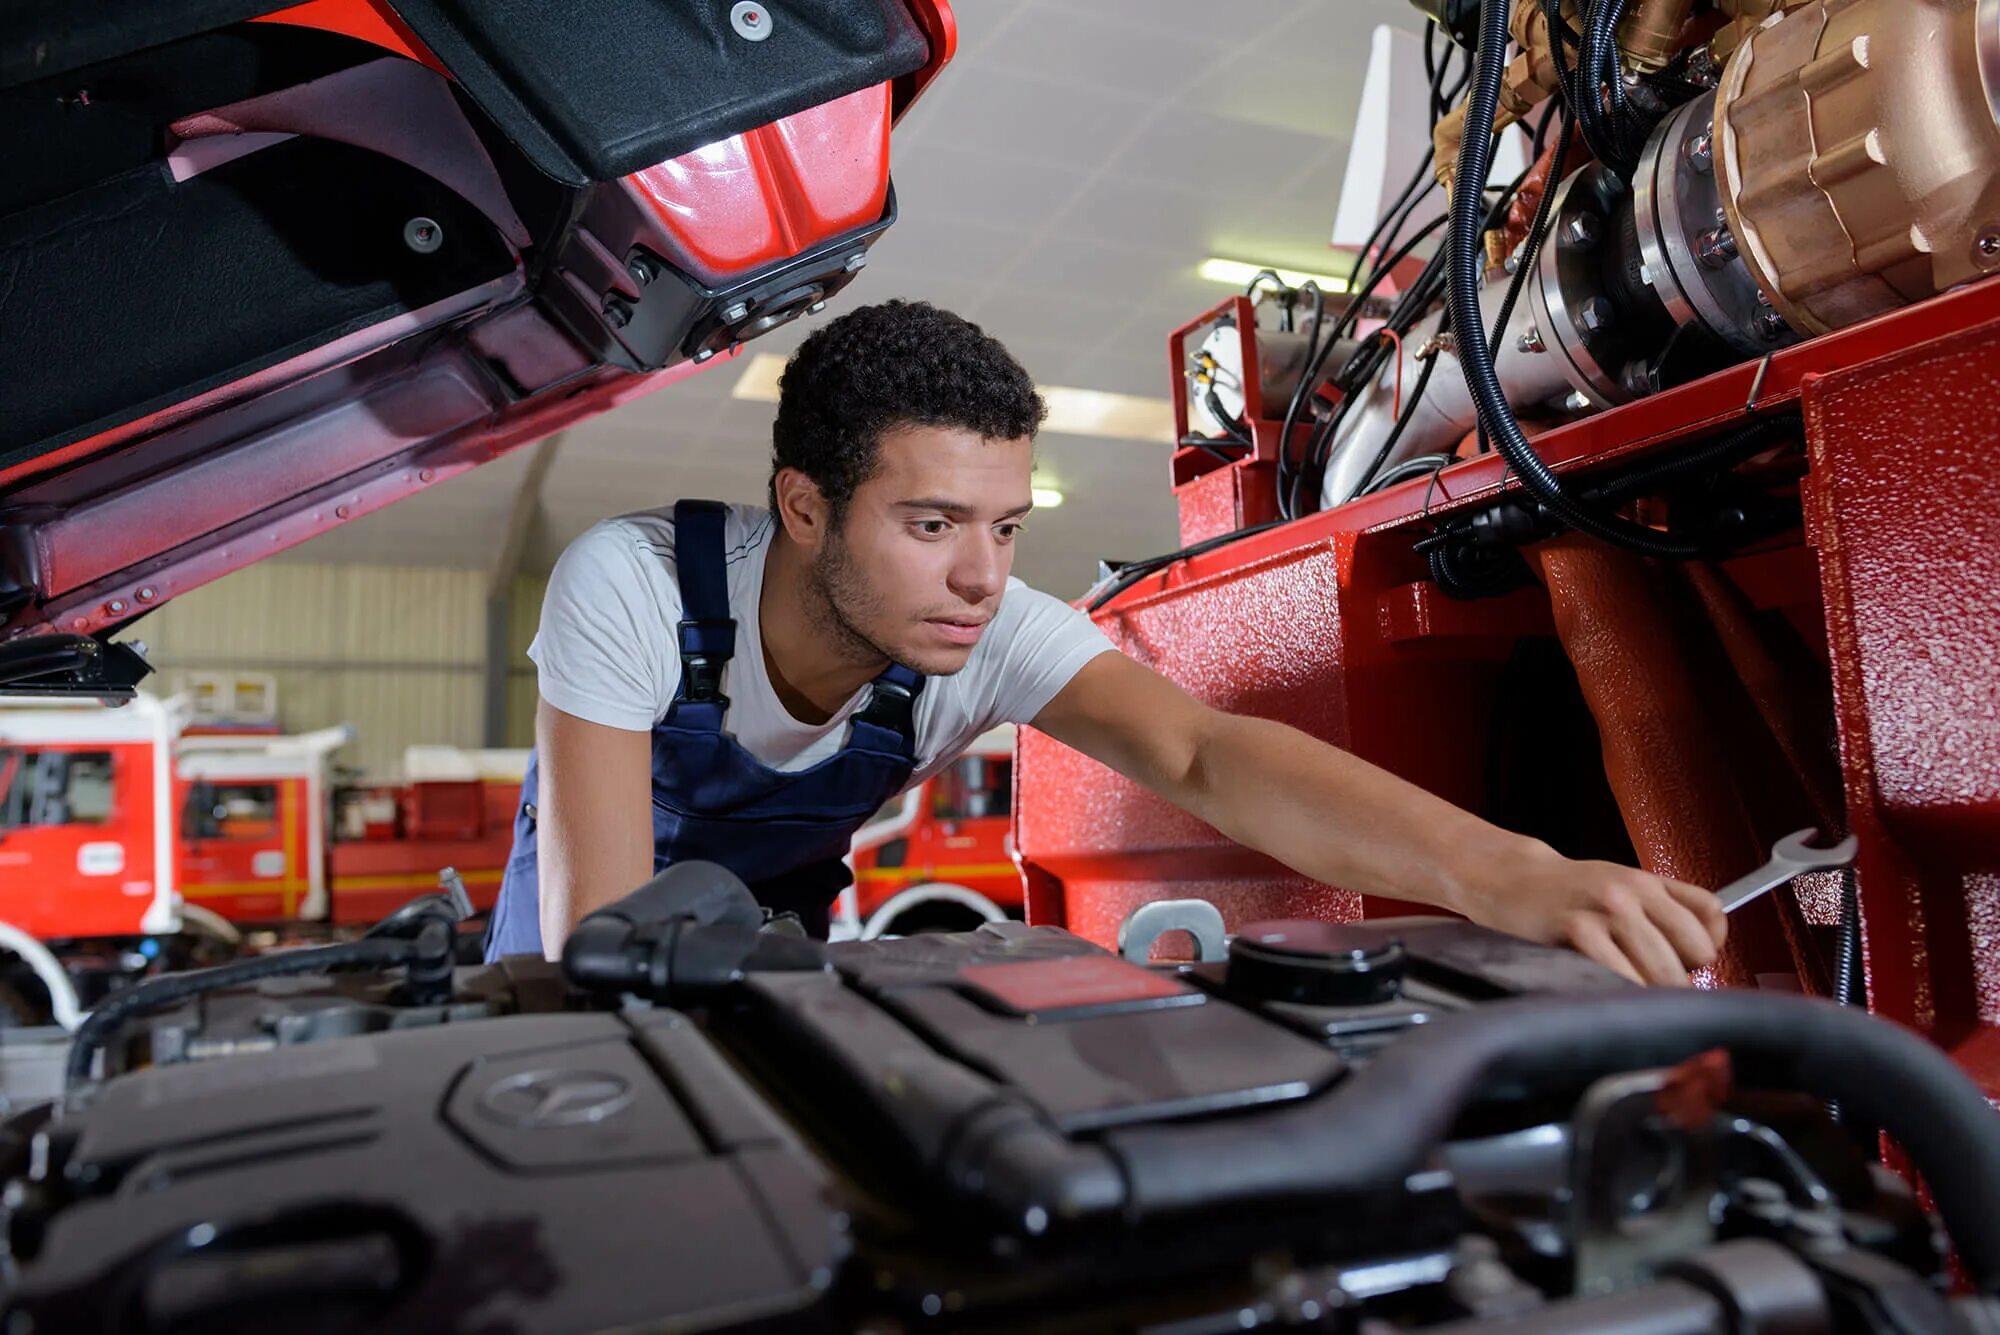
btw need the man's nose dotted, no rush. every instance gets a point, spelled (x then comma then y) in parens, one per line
(980, 570)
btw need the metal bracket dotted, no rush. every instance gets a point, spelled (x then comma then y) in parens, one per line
(1145, 925)
(74, 666)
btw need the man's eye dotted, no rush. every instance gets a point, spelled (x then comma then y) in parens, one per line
(1008, 532)
(932, 528)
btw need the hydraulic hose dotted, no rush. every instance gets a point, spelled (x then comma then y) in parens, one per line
(1369, 1133)
(1474, 356)
(367, 953)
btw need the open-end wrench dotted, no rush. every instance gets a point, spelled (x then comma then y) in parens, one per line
(1791, 856)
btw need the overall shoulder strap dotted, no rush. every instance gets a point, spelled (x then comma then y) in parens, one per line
(892, 705)
(707, 630)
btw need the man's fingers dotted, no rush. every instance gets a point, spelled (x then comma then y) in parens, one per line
(1590, 935)
(1645, 945)
(1684, 928)
(1705, 907)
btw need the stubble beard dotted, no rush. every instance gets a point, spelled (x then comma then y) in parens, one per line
(843, 601)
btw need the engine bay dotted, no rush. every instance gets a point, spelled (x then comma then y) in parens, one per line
(1405, 1124)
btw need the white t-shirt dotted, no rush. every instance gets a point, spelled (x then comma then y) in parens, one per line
(608, 649)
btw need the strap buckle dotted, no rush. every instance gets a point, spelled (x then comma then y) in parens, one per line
(701, 678)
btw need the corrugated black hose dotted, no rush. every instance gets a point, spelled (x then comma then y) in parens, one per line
(1467, 200)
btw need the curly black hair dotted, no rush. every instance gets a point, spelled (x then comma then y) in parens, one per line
(901, 363)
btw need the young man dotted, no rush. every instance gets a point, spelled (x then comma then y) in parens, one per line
(749, 685)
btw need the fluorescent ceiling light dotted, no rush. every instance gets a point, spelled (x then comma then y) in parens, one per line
(1046, 498)
(1072, 412)
(1238, 273)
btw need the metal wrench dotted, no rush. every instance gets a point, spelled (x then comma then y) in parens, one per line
(1790, 856)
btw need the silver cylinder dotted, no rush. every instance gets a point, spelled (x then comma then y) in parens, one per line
(1527, 376)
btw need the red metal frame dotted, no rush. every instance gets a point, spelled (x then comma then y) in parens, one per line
(1332, 624)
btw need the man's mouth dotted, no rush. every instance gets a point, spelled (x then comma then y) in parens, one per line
(958, 630)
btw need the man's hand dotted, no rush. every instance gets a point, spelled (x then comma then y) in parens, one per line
(1649, 928)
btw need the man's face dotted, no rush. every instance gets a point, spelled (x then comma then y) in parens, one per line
(915, 569)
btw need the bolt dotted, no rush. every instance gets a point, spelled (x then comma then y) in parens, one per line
(617, 311)
(703, 355)
(816, 308)
(1584, 231)
(341, 512)
(1769, 325)
(423, 235)
(115, 606)
(1595, 315)
(1701, 150)
(856, 262)
(1530, 340)
(1986, 247)
(751, 21)
(426, 475)
(1717, 248)
(1576, 402)
(1637, 378)
(643, 268)
(734, 312)
(1512, 264)
(147, 594)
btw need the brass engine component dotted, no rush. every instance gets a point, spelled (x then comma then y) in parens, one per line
(1860, 154)
(1744, 16)
(1648, 36)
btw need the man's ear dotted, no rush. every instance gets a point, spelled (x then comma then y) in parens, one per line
(802, 508)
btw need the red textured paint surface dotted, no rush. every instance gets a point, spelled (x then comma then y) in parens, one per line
(1906, 470)
(1302, 635)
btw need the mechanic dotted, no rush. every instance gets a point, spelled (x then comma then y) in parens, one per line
(749, 685)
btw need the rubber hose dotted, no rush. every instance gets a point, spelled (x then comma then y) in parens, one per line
(1370, 1133)
(373, 952)
(1482, 381)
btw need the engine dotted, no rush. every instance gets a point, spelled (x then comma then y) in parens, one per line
(701, 1121)
(1712, 182)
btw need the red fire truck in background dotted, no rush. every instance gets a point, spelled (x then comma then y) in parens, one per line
(129, 844)
(941, 856)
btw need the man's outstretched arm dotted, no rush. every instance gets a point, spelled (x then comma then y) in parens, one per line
(1336, 818)
(594, 823)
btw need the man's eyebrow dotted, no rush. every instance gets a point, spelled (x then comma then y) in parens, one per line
(957, 509)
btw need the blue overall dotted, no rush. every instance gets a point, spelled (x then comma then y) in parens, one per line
(784, 834)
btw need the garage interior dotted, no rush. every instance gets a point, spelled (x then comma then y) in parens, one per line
(1576, 410)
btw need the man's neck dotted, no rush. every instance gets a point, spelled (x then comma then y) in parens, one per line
(809, 666)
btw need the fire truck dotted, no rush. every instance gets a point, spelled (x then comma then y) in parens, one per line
(130, 844)
(941, 856)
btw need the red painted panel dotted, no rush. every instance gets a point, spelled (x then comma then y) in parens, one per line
(365, 19)
(1906, 466)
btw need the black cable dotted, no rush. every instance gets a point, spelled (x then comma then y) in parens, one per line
(1361, 485)
(1475, 359)
(1367, 361)
(1132, 573)
(1414, 467)
(1537, 229)
(369, 952)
